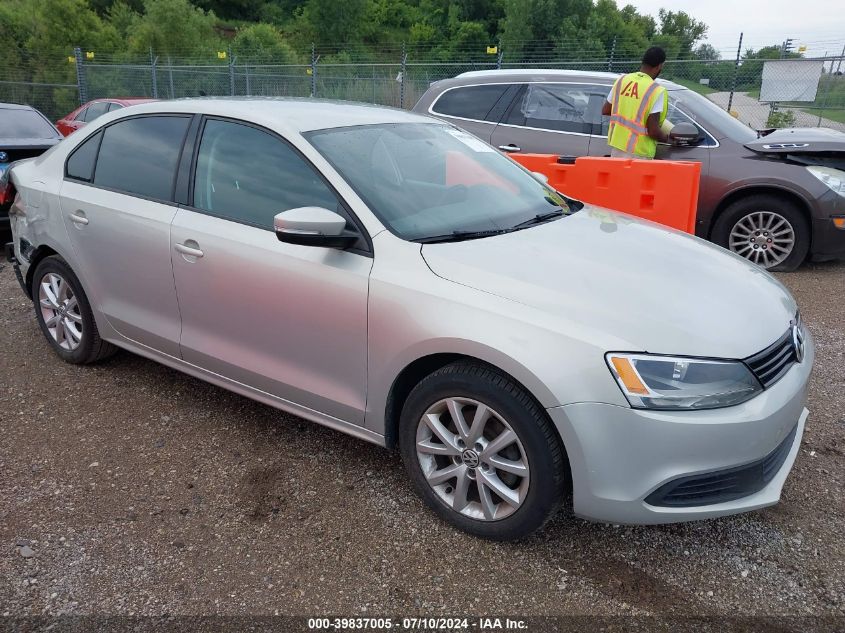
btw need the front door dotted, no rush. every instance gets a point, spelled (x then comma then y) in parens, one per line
(117, 207)
(285, 319)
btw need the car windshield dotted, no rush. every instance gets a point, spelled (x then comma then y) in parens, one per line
(15, 123)
(428, 180)
(692, 103)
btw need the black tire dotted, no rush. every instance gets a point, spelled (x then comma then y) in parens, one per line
(91, 347)
(542, 446)
(744, 207)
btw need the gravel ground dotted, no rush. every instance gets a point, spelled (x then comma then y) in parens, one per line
(131, 489)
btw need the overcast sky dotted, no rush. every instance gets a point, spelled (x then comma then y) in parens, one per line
(820, 24)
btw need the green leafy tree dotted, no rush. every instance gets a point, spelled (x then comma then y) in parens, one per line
(684, 27)
(174, 28)
(262, 43)
(336, 21)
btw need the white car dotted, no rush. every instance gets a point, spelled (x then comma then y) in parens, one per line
(390, 276)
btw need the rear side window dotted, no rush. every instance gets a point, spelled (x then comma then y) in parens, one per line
(247, 175)
(96, 110)
(561, 107)
(114, 106)
(80, 165)
(80, 116)
(471, 102)
(139, 156)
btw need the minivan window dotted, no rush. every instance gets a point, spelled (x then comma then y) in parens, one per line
(693, 104)
(80, 164)
(560, 107)
(248, 175)
(469, 102)
(139, 155)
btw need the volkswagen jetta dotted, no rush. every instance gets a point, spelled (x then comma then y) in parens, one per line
(393, 277)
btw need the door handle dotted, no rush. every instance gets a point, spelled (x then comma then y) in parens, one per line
(189, 250)
(510, 147)
(78, 218)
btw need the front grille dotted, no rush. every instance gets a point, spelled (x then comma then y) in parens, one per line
(723, 485)
(774, 361)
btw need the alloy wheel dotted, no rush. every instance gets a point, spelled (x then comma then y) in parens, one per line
(60, 311)
(472, 459)
(765, 238)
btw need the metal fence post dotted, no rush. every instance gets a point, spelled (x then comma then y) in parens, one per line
(170, 76)
(612, 55)
(736, 71)
(246, 77)
(500, 56)
(231, 73)
(314, 59)
(402, 77)
(153, 64)
(81, 81)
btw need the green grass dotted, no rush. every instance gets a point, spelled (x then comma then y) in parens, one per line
(833, 115)
(695, 86)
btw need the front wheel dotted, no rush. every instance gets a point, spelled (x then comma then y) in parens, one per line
(766, 230)
(481, 452)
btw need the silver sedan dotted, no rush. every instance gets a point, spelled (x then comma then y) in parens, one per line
(390, 276)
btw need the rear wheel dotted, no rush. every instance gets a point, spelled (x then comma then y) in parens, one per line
(64, 314)
(481, 452)
(766, 230)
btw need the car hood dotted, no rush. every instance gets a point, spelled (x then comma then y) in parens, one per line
(628, 281)
(799, 141)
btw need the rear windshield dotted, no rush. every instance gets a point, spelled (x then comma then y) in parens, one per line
(16, 123)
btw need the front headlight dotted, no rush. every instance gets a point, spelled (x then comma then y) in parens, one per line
(668, 382)
(833, 178)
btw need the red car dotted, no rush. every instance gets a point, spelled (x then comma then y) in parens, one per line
(91, 110)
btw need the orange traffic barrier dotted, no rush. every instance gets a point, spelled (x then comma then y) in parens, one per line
(662, 191)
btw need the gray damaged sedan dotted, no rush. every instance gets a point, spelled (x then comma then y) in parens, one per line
(395, 278)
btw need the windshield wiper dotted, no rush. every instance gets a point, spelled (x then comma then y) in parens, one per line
(460, 236)
(540, 218)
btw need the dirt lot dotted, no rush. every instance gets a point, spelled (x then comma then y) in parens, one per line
(128, 488)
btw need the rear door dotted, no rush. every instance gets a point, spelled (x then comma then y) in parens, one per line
(117, 204)
(547, 118)
(476, 109)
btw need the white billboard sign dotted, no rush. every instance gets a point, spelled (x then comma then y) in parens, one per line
(791, 80)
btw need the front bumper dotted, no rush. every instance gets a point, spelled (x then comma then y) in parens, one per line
(618, 456)
(828, 242)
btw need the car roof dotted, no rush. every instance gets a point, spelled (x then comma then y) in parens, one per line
(15, 106)
(290, 114)
(545, 74)
(124, 100)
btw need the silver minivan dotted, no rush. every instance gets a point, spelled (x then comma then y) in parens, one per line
(773, 199)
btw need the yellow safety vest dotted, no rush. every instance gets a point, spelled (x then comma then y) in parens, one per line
(633, 98)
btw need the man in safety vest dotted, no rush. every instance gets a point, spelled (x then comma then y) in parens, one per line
(637, 107)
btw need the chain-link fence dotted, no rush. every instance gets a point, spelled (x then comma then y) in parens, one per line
(400, 76)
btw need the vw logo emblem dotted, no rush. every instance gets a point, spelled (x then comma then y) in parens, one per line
(470, 458)
(798, 342)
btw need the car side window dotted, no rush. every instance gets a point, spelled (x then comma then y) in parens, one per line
(139, 155)
(80, 164)
(248, 175)
(114, 106)
(677, 114)
(96, 110)
(469, 102)
(80, 116)
(560, 107)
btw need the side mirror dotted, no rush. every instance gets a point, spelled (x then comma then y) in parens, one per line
(313, 226)
(684, 133)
